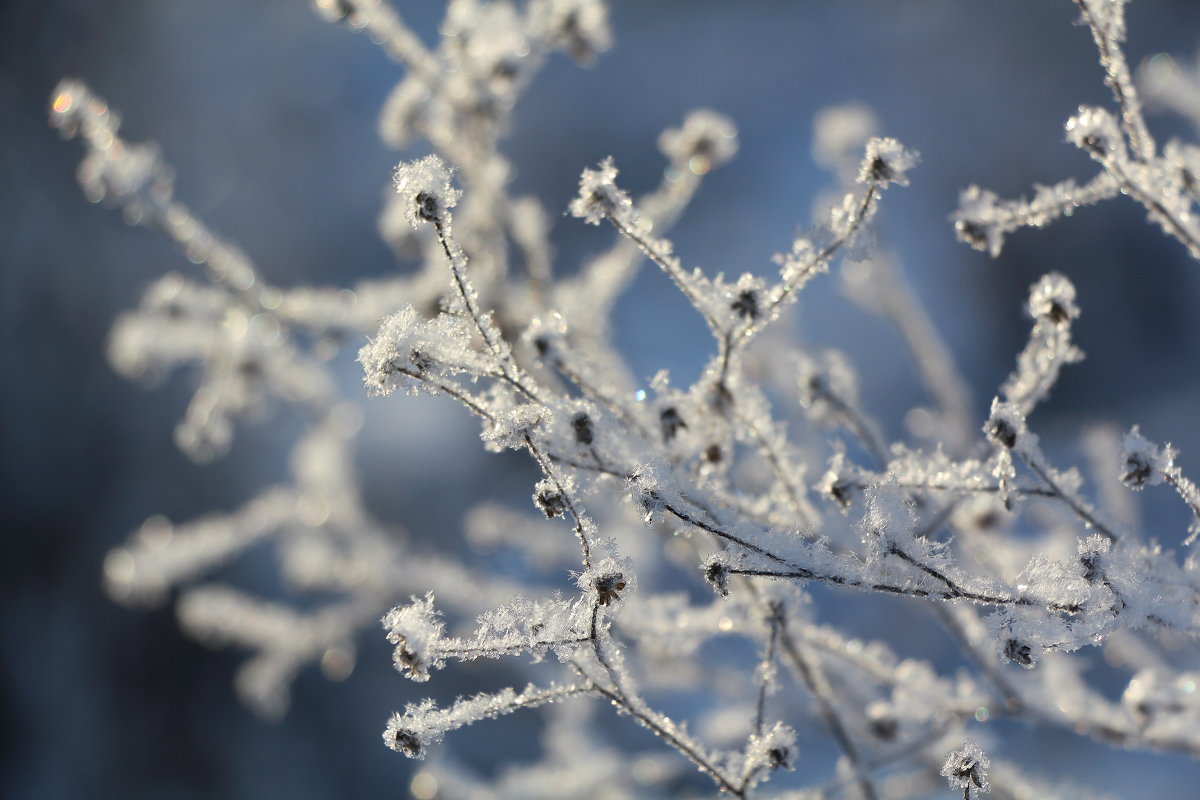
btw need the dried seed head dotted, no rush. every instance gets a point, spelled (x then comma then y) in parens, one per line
(717, 575)
(967, 767)
(1142, 463)
(886, 162)
(609, 587)
(425, 190)
(549, 499)
(671, 423)
(1019, 653)
(1052, 299)
(1005, 424)
(399, 737)
(745, 305)
(582, 426)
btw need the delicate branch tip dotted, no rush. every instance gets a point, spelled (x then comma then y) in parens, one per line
(967, 768)
(426, 190)
(599, 196)
(886, 162)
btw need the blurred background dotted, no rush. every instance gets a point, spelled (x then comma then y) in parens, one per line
(268, 115)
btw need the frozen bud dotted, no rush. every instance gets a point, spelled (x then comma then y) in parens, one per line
(1154, 698)
(580, 27)
(967, 767)
(670, 422)
(716, 572)
(706, 141)
(1019, 652)
(775, 748)
(409, 350)
(425, 190)
(1005, 425)
(886, 161)
(744, 297)
(1142, 463)
(415, 630)
(544, 337)
(836, 484)
(882, 718)
(609, 579)
(420, 361)
(548, 498)
(745, 305)
(982, 514)
(977, 220)
(599, 197)
(609, 587)
(646, 486)
(400, 738)
(582, 427)
(1094, 130)
(840, 491)
(1053, 299)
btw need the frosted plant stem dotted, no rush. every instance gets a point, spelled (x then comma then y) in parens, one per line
(670, 738)
(774, 624)
(987, 664)
(809, 673)
(782, 472)
(457, 261)
(595, 393)
(1170, 223)
(668, 264)
(1187, 492)
(453, 391)
(861, 429)
(635, 709)
(580, 529)
(594, 636)
(934, 486)
(1120, 81)
(1081, 509)
(889, 588)
(717, 531)
(786, 290)
(467, 653)
(380, 22)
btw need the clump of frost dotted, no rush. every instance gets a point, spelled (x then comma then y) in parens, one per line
(967, 769)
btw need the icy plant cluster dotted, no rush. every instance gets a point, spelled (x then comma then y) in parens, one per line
(679, 528)
(1163, 180)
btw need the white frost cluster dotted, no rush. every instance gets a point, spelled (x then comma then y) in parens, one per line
(599, 197)
(887, 161)
(425, 191)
